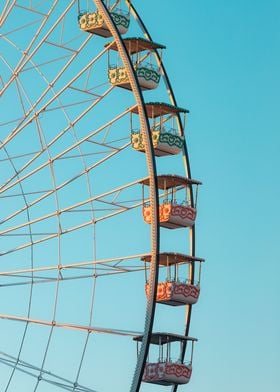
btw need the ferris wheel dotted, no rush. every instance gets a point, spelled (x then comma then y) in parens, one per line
(98, 268)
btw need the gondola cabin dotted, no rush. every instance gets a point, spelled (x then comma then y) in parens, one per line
(93, 22)
(174, 212)
(175, 290)
(165, 370)
(163, 119)
(141, 52)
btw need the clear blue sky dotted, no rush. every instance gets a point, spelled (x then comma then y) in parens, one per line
(223, 60)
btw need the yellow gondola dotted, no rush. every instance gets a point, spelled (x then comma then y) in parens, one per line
(163, 119)
(93, 22)
(141, 52)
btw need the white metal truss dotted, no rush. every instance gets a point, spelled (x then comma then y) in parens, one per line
(64, 133)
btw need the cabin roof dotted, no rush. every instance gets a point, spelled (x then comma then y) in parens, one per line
(136, 45)
(167, 181)
(171, 258)
(156, 109)
(160, 338)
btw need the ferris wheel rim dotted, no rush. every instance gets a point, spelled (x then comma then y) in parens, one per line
(188, 172)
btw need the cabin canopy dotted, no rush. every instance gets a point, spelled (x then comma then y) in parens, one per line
(168, 181)
(169, 258)
(156, 109)
(136, 45)
(160, 338)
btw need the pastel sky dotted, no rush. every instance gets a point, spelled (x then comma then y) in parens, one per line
(223, 61)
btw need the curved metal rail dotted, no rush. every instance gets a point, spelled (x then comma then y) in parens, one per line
(150, 157)
(187, 169)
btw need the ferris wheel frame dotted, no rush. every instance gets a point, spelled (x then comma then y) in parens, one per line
(152, 171)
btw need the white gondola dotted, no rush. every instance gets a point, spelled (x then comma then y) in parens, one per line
(139, 49)
(172, 214)
(174, 290)
(166, 371)
(93, 22)
(163, 120)
(148, 77)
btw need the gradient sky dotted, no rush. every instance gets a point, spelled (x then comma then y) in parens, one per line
(223, 58)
